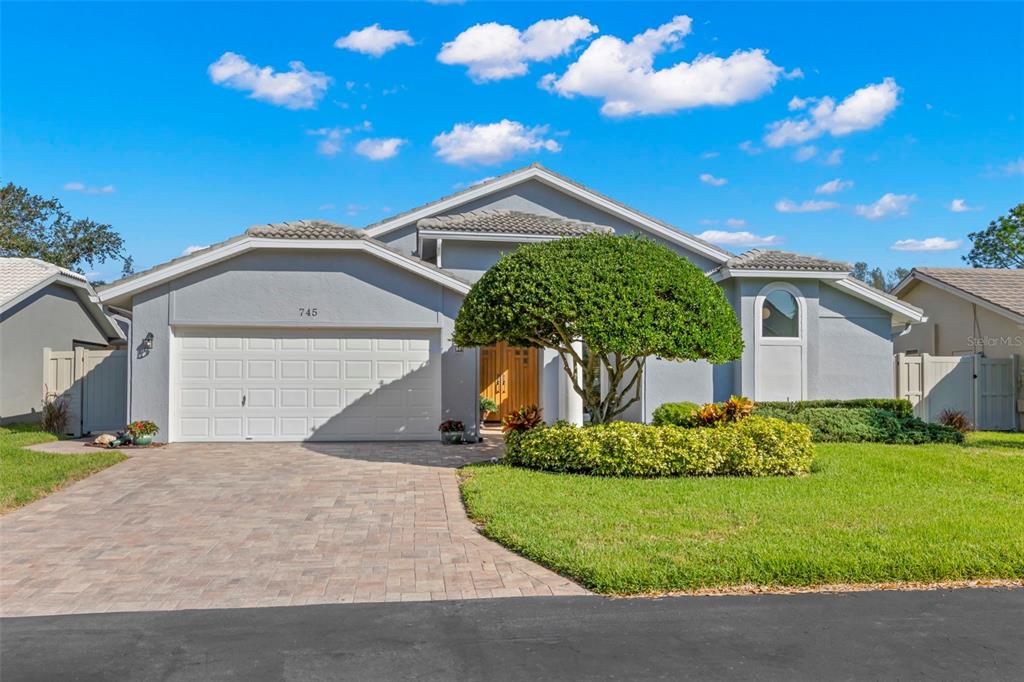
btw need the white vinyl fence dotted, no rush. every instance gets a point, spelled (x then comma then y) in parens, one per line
(982, 388)
(93, 382)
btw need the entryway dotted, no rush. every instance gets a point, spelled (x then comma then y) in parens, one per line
(509, 375)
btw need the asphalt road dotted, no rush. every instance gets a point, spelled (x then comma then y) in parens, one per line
(941, 635)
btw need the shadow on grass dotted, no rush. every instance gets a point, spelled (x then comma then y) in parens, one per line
(997, 443)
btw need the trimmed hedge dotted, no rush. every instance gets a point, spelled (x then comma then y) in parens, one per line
(753, 447)
(865, 425)
(676, 414)
(898, 406)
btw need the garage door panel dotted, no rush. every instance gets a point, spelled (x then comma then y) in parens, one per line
(319, 385)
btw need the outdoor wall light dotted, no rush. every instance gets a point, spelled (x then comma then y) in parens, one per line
(147, 343)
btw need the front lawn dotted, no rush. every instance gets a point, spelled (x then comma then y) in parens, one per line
(27, 475)
(868, 513)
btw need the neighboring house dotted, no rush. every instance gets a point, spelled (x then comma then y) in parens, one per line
(308, 330)
(43, 306)
(970, 311)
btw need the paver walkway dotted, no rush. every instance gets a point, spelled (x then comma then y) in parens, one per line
(243, 525)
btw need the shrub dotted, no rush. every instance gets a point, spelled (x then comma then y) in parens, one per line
(752, 447)
(867, 425)
(525, 418)
(955, 419)
(55, 414)
(676, 414)
(736, 408)
(898, 406)
(143, 427)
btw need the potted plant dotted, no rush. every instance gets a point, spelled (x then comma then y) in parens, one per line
(142, 431)
(452, 431)
(487, 405)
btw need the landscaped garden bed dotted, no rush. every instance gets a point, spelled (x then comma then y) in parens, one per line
(868, 513)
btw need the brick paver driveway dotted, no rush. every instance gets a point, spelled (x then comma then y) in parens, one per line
(209, 526)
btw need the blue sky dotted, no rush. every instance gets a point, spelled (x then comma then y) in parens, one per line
(157, 118)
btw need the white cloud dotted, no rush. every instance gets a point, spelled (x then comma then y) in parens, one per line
(739, 238)
(374, 40)
(491, 143)
(793, 74)
(805, 153)
(189, 250)
(736, 222)
(1015, 167)
(890, 204)
(834, 158)
(325, 207)
(330, 140)
(379, 148)
(799, 104)
(710, 155)
(866, 108)
(623, 74)
(708, 221)
(809, 206)
(960, 206)
(297, 88)
(833, 186)
(709, 179)
(494, 51)
(929, 244)
(748, 147)
(88, 189)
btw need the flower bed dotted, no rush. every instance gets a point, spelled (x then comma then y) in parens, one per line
(752, 447)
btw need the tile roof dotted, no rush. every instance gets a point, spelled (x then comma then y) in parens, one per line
(304, 229)
(293, 229)
(18, 275)
(764, 259)
(510, 222)
(566, 179)
(1001, 287)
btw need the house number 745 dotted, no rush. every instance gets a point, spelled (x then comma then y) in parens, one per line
(307, 312)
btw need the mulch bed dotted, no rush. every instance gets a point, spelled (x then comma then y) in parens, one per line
(126, 447)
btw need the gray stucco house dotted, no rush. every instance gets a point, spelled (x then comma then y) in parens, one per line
(43, 306)
(308, 330)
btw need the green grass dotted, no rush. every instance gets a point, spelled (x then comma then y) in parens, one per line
(26, 475)
(868, 513)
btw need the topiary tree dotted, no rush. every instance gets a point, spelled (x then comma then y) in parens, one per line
(625, 298)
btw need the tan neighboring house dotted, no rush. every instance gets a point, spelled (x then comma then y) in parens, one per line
(970, 311)
(44, 306)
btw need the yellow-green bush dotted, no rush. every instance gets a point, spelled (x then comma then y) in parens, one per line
(758, 446)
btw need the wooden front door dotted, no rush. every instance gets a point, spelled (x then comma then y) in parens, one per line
(508, 376)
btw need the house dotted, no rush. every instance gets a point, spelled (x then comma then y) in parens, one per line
(43, 306)
(309, 330)
(971, 311)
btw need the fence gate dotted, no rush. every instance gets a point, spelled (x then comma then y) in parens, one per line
(93, 382)
(982, 388)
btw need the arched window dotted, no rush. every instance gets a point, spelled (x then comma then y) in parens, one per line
(780, 315)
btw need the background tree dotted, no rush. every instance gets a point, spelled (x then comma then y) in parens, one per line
(877, 278)
(624, 298)
(1001, 245)
(31, 226)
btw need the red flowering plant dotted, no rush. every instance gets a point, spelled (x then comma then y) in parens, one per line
(143, 427)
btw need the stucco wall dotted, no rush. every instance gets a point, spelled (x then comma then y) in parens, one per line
(849, 345)
(266, 288)
(470, 259)
(53, 317)
(958, 327)
(854, 350)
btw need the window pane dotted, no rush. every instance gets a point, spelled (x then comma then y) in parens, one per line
(779, 315)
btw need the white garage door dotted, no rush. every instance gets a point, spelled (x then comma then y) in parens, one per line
(268, 385)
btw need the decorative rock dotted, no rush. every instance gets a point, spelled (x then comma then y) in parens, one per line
(104, 439)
